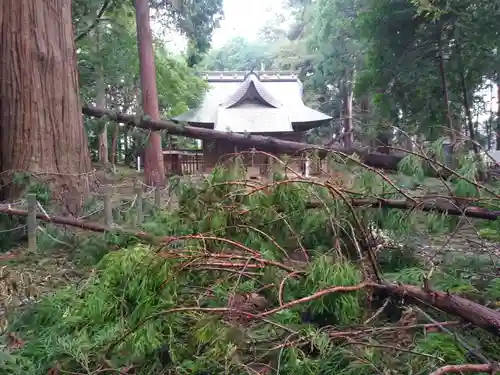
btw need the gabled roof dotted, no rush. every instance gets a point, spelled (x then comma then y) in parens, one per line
(251, 89)
(262, 102)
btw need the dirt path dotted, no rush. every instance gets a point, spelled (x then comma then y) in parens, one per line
(26, 277)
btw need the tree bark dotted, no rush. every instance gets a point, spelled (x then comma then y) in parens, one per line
(444, 86)
(490, 368)
(479, 315)
(348, 121)
(468, 114)
(114, 144)
(103, 135)
(498, 113)
(101, 102)
(154, 172)
(42, 130)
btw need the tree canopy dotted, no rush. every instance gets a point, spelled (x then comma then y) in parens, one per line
(418, 66)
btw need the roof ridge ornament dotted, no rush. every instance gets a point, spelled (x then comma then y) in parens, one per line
(251, 72)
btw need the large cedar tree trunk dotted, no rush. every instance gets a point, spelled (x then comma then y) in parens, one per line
(41, 127)
(154, 172)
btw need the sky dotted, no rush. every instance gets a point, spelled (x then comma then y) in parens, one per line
(240, 19)
(244, 18)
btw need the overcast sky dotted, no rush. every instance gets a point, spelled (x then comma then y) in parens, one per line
(244, 18)
(241, 18)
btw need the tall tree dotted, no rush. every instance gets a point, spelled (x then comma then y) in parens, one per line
(178, 87)
(154, 172)
(41, 127)
(426, 59)
(101, 101)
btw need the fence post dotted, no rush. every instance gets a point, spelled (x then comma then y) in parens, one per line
(32, 225)
(270, 168)
(139, 217)
(108, 211)
(157, 195)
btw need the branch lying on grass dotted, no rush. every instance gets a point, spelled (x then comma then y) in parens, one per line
(206, 259)
(380, 330)
(468, 310)
(453, 304)
(492, 368)
(472, 211)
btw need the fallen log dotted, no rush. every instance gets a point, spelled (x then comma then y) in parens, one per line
(270, 144)
(471, 211)
(468, 310)
(489, 368)
(453, 304)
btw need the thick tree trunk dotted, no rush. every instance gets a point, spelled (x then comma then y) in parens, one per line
(154, 173)
(41, 128)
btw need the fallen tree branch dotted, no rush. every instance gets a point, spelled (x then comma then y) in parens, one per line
(470, 311)
(381, 330)
(83, 224)
(270, 144)
(453, 304)
(492, 368)
(471, 211)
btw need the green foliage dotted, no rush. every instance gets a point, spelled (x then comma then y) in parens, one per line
(345, 308)
(238, 54)
(402, 39)
(123, 312)
(196, 20)
(108, 60)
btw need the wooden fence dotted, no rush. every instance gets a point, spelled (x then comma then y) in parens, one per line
(33, 215)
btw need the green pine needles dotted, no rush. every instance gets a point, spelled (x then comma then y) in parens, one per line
(233, 291)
